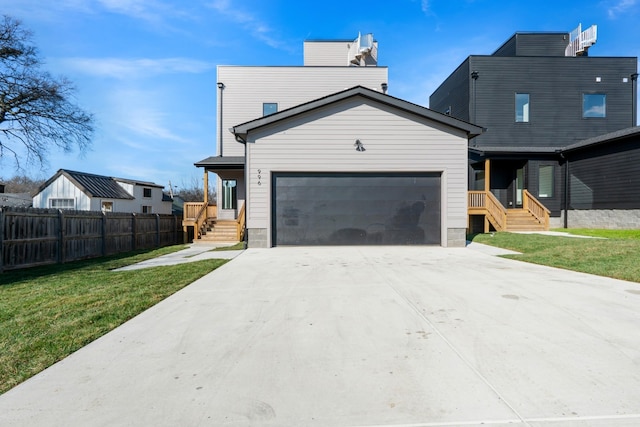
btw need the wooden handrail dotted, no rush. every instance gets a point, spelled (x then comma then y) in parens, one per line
(537, 209)
(497, 211)
(201, 217)
(191, 210)
(487, 202)
(241, 223)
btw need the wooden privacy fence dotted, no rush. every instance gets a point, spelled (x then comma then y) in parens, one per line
(31, 237)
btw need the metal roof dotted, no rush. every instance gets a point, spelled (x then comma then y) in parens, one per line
(97, 185)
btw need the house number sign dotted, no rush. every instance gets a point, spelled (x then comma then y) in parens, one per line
(259, 176)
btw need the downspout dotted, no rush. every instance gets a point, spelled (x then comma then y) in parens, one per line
(220, 91)
(566, 190)
(246, 184)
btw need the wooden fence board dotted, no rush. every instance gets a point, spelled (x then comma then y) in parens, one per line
(31, 237)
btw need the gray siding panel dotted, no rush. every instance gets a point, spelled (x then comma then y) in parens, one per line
(247, 88)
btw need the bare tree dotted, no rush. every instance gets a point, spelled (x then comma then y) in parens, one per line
(37, 112)
(193, 191)
(21, 184)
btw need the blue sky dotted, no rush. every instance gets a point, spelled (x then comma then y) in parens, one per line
(147, 68)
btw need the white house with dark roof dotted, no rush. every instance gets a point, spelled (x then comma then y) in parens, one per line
(84, 191)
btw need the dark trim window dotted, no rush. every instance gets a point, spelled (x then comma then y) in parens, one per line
(229, 194)
(545, 180)
(146, 192)
(269, 108)
(522, 107)
(594, 105)
(147, 209)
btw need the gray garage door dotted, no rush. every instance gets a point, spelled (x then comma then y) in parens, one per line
(356, 209)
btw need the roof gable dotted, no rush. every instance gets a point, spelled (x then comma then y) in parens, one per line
(242, 130)
(90, 184)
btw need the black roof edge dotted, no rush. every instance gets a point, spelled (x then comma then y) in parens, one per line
(241, 131)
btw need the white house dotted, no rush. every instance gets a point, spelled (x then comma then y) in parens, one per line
(84, 191)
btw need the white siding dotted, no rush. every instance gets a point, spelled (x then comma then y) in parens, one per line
(323, 141)
(330, 53)
(326, 53)
(135, 205)
(62, 188)
(247, 88)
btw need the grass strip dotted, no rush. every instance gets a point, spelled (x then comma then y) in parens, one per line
(618, 256)
(47, 313)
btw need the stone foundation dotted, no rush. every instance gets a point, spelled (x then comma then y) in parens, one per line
(257, 238)
(456, 238)
(605, 218)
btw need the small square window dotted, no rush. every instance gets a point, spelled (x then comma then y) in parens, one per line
(146, 192)
(146, 209)
(594, 105)
(269, 108)
(522, 107)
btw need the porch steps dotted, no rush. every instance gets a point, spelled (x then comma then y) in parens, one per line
(522, 220)
(220, 231)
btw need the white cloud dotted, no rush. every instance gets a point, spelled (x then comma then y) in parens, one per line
(136, 68)
(249, 22)
(425, 6)
(621, 7)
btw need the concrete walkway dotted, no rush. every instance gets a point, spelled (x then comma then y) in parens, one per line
(194, 252)
(364, 336)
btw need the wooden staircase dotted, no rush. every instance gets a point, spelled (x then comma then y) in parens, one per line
(522, 220)
(533, 216)
(219, 231)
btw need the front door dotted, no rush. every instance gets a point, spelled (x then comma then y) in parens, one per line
(229, 199)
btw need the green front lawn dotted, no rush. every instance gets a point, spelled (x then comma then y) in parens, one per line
(48, 313)
(615, 254)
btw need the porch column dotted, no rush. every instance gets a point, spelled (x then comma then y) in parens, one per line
(206, 187)
(487, 175)
(487, 188)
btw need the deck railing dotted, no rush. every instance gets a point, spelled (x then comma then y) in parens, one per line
(535, 208)
(485, 203)
(196, 214)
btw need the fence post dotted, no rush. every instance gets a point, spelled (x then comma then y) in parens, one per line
(104, 233)
(1, 240)
(61, 248)
(134, 232)
(157, 230)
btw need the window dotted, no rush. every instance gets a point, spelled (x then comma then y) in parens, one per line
(522, 107)
(146, 209)
(107, 206)
(269, 108)
(594, 105)
(229, 194)
(146, 192)
(62, 203)
(545, 181)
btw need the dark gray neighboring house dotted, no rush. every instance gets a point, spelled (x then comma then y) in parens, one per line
(536, 102)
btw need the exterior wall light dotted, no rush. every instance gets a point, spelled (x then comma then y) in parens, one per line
(359, 146)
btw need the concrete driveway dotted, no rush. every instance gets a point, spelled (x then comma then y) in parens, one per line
(373, 336)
